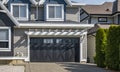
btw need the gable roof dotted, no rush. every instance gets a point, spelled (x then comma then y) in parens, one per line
(40, 2)
(5, 10)
(105, 8)
(94, 29)
(4, 1)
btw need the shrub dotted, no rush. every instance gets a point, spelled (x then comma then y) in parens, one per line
(113, 46)
(101, 39)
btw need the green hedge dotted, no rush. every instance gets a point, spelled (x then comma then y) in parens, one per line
(113, 48)
(101, 40)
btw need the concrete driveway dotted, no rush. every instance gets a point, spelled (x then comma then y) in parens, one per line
(63, 67)
(7, 68)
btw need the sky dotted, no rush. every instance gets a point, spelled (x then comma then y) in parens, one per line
(93, 1)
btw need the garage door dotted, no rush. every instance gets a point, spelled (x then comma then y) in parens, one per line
(54, 49)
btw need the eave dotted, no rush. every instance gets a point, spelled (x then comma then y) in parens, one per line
(47, 25)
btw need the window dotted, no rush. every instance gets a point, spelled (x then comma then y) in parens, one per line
(58, 41)
(20, 11)
(48, 41)
(102, 19)
(5, 39)
(55, 12)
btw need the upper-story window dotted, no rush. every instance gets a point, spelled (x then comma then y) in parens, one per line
(20, 11)
(55, 12)
(5, 39)
(102, 19)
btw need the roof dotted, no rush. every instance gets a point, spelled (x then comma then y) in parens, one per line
(5, 10)
(96, 27)
(4, 1)
(42, 2)
(50, 22)
(5, 20)
(69, 2)
(105, 8)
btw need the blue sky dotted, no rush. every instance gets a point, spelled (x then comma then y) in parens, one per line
(93, 1)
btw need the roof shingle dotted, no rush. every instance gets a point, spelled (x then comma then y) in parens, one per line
(105, 8)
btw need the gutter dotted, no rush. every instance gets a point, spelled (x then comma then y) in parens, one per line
(48, 25)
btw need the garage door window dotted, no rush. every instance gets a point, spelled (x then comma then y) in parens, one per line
(48, 41)
(58, 41)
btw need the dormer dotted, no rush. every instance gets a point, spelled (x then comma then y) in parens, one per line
(55, 9)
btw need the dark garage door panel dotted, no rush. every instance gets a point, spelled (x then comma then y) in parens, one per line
(60, 50)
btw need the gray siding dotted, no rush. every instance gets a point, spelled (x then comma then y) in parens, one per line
(116, 19)
(91, 48)
(94, 20)
(85, 21)
(20, 42)
(72, 14)
(33, 15)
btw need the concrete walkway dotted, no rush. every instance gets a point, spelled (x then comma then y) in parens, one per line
(44, 67)
(63, 67)
(6, 68)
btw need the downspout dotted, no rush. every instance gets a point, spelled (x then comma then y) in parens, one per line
(37, 8)
(79, 17)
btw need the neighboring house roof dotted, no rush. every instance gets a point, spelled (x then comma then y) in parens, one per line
(5, 10)
(105, 8)
(96, 27)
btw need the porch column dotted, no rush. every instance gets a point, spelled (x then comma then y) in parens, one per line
(83, 47)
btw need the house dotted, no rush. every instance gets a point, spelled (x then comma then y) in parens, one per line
(42, 31)
(103, 16)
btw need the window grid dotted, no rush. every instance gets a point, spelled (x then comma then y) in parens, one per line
(5, 45)
(20, 6)
(61, 18)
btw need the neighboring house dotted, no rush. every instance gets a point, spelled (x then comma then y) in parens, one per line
(104, 15)
(42, 31)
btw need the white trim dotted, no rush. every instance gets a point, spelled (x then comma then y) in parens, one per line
(9, 41)
(54, 19)
(34, 2)
(20, 4)
(78, 4)
(9, 14)
(81, 47)
(12, 58)
(41, 2)
(67, 1)
(3, 11)
(28, 43)
(49, 25)
(4, 1)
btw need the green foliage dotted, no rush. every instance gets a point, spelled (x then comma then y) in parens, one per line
(101, 39)
(113, 48)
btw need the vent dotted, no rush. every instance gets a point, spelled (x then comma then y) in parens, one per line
(107, 9)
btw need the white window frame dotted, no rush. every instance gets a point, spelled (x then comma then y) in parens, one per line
(20, 4)
(54, 19)
(9, 38)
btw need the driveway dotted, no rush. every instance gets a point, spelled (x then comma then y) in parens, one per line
(7, 68)
(63, 67)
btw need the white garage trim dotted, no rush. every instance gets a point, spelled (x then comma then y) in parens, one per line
(81, 34)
